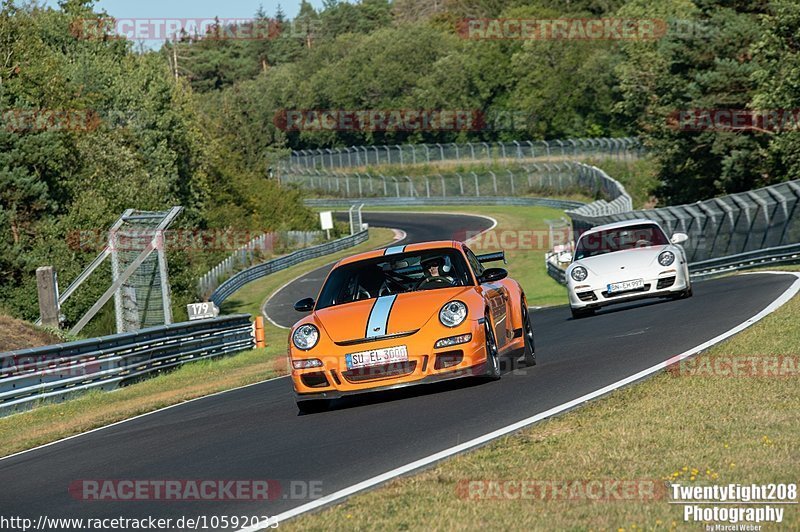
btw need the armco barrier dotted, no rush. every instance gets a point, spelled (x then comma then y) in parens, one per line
(236, 282)
(56, 372)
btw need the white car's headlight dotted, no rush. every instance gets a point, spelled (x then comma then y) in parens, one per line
(453, 314)
(579, 273)
(666, 258)
(305, 337)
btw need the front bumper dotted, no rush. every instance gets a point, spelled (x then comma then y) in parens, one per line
(425, 364)
(595, 295)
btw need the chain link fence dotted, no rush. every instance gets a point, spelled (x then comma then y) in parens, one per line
(413, 154)
(561, 178)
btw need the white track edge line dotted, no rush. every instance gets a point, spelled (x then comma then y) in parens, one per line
(790, 292)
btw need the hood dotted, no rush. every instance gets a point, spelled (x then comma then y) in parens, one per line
(632, 259)
(385, 315)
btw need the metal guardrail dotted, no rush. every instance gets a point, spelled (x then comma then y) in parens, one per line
(744, 261)
(56, 372)
(412, 202)
(258, 271)
(412, 154)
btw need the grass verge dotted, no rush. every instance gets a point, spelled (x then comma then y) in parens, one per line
(690, 429)
(50, 422)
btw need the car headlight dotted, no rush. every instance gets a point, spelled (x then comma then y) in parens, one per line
(453, 314)
(666, 258)
(579, 273)
(305, 337)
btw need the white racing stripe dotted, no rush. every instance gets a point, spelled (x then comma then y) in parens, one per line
(441, 455)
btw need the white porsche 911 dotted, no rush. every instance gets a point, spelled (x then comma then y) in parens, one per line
(623, 261)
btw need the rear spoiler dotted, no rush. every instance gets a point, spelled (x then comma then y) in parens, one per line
(492, 257)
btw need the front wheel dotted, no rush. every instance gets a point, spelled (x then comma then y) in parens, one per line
(492, 355)
(313, 406)
(581, 313)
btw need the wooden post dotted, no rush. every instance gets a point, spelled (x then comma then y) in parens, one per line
(48, 296)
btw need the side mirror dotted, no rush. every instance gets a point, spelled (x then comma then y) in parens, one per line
(491, 275)
(565, 257)
(305, 305)
(679, 238)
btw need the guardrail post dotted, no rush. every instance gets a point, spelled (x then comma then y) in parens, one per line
(477, 187)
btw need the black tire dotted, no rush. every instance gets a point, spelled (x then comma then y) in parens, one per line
(313, 407)
(492, 355)
(684, 294)
(527, 334)
(581, 313)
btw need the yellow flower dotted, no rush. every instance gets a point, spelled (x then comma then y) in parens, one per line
(685, 468)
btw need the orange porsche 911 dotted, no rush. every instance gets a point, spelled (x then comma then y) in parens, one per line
(407, 315)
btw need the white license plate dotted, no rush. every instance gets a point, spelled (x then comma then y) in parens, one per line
(624, 286)
(377, 357)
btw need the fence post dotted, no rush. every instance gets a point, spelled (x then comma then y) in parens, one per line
(47, 288)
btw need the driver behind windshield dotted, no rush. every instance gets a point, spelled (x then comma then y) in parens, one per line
(434, 267)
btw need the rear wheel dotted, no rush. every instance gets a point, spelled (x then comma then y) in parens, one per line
(492, 355)
(313, 407)
(527, 334)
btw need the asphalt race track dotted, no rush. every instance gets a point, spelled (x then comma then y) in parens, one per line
(256, 432)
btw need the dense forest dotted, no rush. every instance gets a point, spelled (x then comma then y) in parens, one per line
(192, 122)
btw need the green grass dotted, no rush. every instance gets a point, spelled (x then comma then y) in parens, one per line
(696, 430)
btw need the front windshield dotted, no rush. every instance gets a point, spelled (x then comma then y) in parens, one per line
(620, 239)
(394, 274)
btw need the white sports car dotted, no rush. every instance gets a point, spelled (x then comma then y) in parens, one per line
(623, 261)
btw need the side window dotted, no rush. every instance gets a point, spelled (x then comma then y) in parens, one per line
(477, 267)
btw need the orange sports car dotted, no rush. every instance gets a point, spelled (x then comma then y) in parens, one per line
(407, 315)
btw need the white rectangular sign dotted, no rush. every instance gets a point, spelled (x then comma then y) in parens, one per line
(202, 311)
(326, 219)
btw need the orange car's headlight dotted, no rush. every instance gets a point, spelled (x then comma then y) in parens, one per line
(453, 314)
(305, 337)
